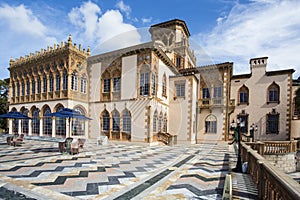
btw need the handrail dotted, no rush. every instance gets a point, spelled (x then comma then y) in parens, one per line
(274, 147)
(271, 182)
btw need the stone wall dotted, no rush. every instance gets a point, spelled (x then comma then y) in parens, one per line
(284, 162)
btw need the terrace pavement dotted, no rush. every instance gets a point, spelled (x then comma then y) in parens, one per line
(36, 170)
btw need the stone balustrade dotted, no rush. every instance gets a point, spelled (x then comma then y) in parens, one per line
(271, 182)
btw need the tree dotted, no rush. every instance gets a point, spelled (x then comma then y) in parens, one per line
(297, 100)
(3, 101)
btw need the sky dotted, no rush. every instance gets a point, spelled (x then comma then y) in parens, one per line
(221, 30)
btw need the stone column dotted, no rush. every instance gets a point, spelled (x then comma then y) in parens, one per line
(67, 127)
(19, 126)
(10, 126)
(30, 127)
(53, 127)
(41, 126)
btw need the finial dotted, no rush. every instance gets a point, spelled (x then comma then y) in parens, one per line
(70, 39)
(88, 51)
(11, 61)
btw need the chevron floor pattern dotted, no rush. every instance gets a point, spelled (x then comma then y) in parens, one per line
(116, 171)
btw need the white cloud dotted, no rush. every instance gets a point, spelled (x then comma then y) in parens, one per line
(146, 20)
(257, 29)
(22, 20)
(86, 18)
(124, 8)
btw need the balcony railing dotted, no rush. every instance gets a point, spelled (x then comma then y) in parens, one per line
(271, 182)
(208, 102)
(274, 147)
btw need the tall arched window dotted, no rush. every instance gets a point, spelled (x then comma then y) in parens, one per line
(105, 121)
(74, 82)
(116, 120)
(57, 77)
(51, 83)
(27, 87)
(144, 80)
(211, 124)
(25, 122)
(45, 83)
(155, 122)
(160, 122)
(47, 122)
(126, 121)
(13, 90)
(18, 89)
(35, 122)
(23, 88)
(78, 125)
(33, 86)
(165, 123)
(60, 124)
(273, 93)
(243, 95)
(38, 85)
(83, 84)
(65, 80)
(164, 85)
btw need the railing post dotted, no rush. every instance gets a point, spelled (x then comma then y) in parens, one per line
(261, 180)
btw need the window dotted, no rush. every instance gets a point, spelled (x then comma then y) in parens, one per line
(178, 61)
(23, 88)
(211, 124)
(116, 120)
(25, 122)
(273, 92)
(74, 82)
(45, 83)
(35, 122)
(159, 122)
(105, 121)
(27, 87)
(38, 85)
(51, 83)
(180, 89)
(83, 84)
(153, 86)
(13, 90)
(57, 82)
(60, 124)
(243, 95)
(154, 122)
(144, 84)
(47, 122)
(117, 84)
(78, 125)
(65, 80)
(273, 122)
(18, 89)
(165, 123)
(164, 86)
(205, 93)
(106, 85)
(217, 92)
(33, 87)
(126, 121)
(243, 118)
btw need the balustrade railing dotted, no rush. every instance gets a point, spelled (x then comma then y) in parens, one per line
(271, 182)
(274, 147)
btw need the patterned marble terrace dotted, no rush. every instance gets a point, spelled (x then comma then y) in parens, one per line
(36, 170)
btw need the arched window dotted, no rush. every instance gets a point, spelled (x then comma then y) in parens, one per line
(155, 122)
(78, 125)
(65, 80)
(272, 122)
(165, 123)
(60, 124)
(18, 89)
(144, 80)
(33, 86)
(57, 81)
(25, 122)
(116, 120)
(126, 121)
(160, 122)
(211, 124)
(27, 87)
(45, 83)
(38, 85)
(243, 95)
(83, 84)
(13, 90)
(35, 122)
(23, 88)
(273, 93)
(47, 122)
(51, 83)
(105, 121)
(164, 86)
(74, 82)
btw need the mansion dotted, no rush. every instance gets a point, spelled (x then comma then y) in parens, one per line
(150, 91)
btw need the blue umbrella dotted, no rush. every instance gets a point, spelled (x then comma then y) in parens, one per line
(14, 115)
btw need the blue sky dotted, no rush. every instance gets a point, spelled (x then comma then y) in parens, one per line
(221, 30)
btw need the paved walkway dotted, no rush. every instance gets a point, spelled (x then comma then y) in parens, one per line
(36, 170)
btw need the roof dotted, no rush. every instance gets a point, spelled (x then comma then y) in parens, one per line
(172, 22)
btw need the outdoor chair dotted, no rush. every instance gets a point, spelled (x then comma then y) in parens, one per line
(16, 139)
(65, 146)
(81, 142)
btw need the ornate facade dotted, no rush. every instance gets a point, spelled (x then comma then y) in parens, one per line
(146, 93)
